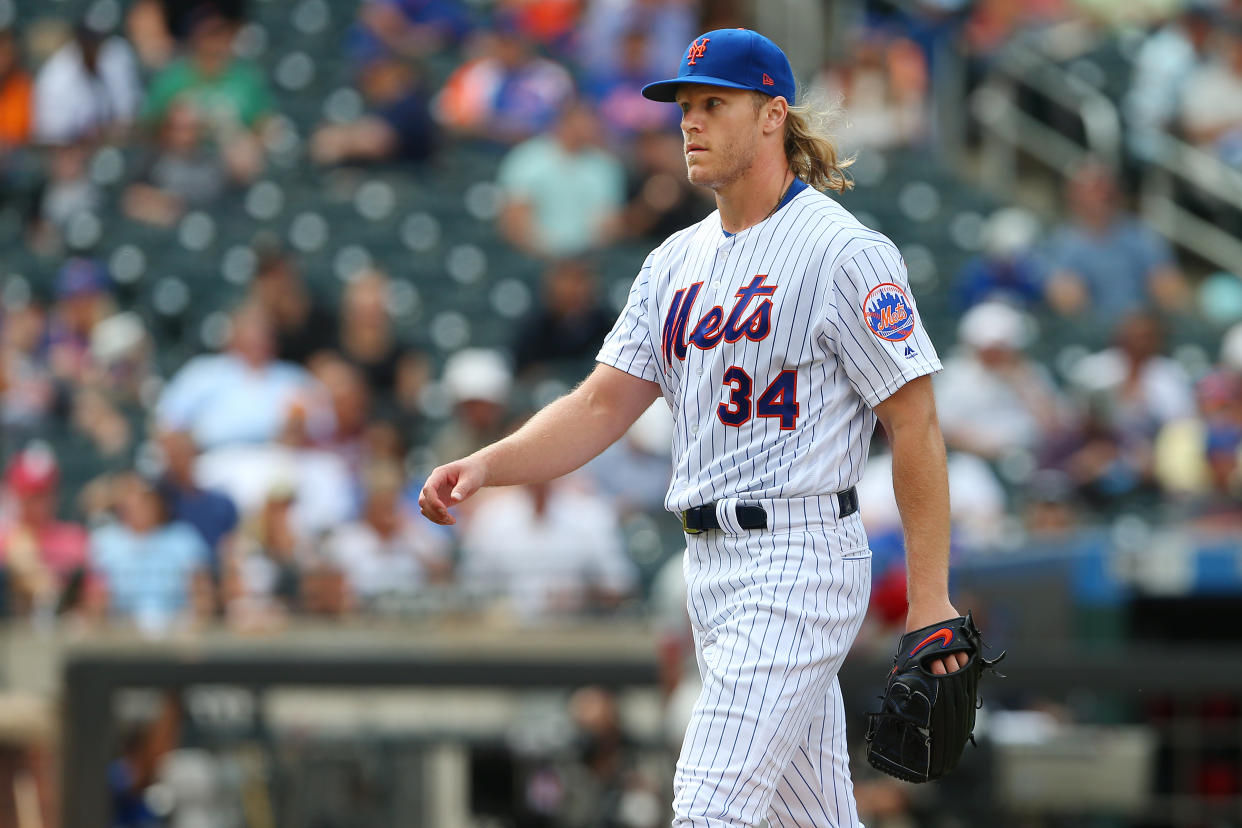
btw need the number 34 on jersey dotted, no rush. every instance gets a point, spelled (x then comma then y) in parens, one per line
(748, 319)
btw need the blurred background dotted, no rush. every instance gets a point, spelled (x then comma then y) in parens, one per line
(266, 262)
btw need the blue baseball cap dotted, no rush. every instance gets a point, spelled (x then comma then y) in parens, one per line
(733, 58)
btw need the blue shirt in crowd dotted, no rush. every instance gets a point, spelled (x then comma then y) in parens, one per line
(148, 575)
(1115, 267)
(222, 400)
(210, 512)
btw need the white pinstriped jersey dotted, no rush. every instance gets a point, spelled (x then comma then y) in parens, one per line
(771, 346)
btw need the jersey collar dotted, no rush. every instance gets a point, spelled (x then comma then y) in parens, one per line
(796, 187)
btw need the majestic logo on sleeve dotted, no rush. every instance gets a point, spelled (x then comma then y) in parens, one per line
(888, 312)
(713, 327)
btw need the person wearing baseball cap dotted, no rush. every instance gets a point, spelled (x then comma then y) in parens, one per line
(725, 156)
(42, 554)
(780, 288)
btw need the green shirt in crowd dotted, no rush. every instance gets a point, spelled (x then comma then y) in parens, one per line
(239, 94)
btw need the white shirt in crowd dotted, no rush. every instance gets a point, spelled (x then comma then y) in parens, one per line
(323, 488)
(545, 564)
(71, 103)
(998, 412)
(376, 566)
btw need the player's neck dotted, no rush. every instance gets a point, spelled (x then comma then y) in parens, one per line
(755, 196)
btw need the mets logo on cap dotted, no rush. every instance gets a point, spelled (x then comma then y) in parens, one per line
(697, 49)
(888, 312)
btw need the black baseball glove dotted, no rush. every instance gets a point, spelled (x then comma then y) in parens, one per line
(926, 719)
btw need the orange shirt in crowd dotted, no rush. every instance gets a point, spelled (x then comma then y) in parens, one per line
(15, 109)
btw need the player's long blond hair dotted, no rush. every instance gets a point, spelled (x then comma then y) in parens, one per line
(811, 151)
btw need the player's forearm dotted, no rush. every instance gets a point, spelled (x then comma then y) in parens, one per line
(921, 484)
(568, 432)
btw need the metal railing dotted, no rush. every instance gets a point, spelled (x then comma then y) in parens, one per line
(1008, 129)
(1010, 132)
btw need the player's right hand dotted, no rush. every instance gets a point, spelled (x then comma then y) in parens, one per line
(447, 486)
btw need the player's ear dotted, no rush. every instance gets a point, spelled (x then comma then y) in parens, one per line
(775, 113)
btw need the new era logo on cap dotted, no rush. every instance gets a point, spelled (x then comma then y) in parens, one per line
(737, 59)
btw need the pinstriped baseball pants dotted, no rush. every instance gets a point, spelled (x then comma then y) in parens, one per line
(774, 613)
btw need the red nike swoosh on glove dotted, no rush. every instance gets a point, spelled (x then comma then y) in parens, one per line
(945, 637)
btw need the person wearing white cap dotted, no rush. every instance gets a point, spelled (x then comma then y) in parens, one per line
(478, 382)
(992, 398)
(1006, 267)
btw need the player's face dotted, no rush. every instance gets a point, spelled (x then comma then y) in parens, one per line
(720, 133)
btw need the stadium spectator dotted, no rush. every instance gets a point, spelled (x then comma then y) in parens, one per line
(669, 25)
(83, 300)
(634, 472)
(350, 396)
(262, 572)
(185, 171)
(120, 353)
(1142, 388)
(302, 326)
(562, 191)
(109, 434)
(27, 387)
(367, 340)
(660, 200)
(882, 84)
(247, 473)
(617, 93)
(87, 90)
(1196, 457)
(552, 24)
(230, 95)
(477, 382)
(993, 23)
(66, 193)
(1211, 103)
(1168, 58)
(1007, 269)
(1130, 391)
(506, 94)
(1049, 506)
(1104, 262)
(16, 95)
(210, 512)
(991, 398)
(570, 323)
(387, 553)
(605, 784)
(44, 558)
(243, 395)
(154, 570)
(546, 550)
(406, 29)
(1230, 357)
(398, 127)
(147, 29)
(978, 508)
(144, 745)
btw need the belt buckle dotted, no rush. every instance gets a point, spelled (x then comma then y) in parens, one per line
(685, 527)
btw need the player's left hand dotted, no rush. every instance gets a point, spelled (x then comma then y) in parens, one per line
(924, 615)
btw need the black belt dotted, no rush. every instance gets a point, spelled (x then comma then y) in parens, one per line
(701, 518)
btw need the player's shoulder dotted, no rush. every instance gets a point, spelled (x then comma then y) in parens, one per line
(678, 244)
(837, 232)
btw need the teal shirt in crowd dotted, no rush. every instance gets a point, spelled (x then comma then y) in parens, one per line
(571, 194)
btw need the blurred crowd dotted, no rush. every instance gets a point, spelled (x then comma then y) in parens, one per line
(1091, 371)
(278, 474)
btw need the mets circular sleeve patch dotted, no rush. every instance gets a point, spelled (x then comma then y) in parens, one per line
(888, 312)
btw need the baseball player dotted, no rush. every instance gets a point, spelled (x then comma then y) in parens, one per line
(778, 330)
